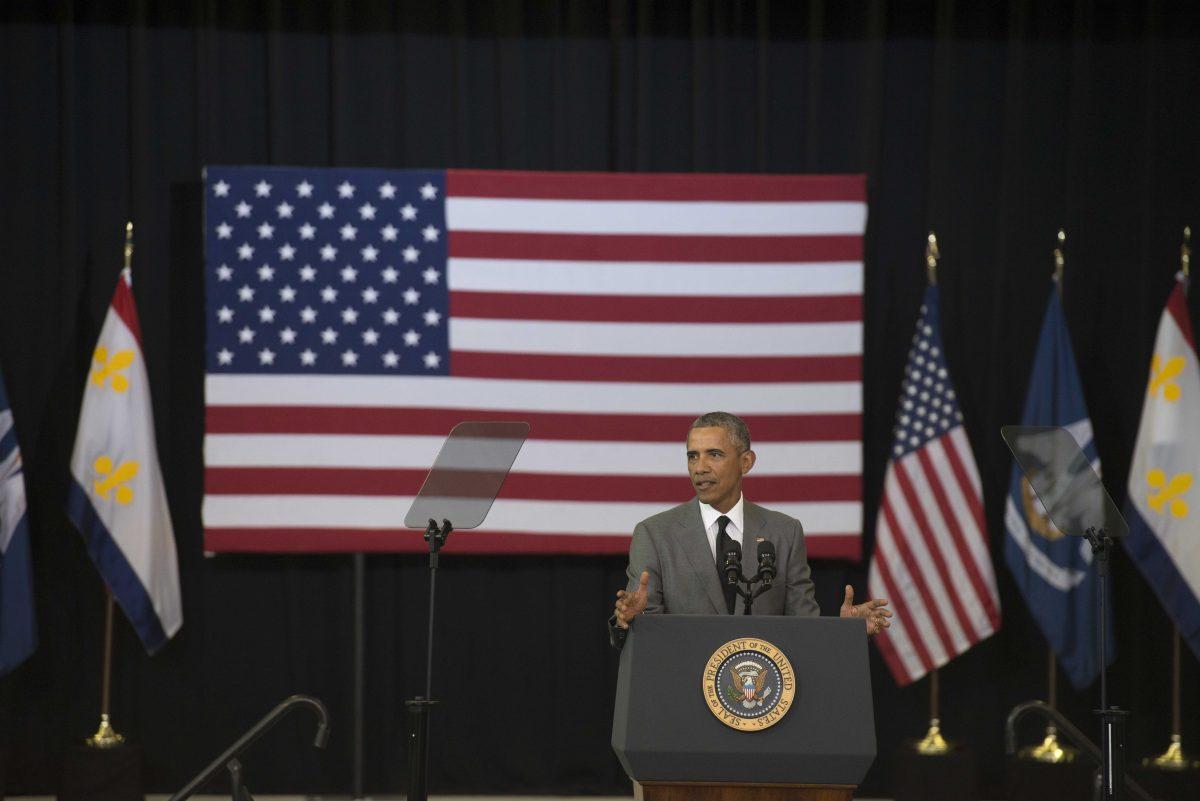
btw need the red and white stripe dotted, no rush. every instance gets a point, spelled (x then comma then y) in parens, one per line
(608, 311)
(931, 559)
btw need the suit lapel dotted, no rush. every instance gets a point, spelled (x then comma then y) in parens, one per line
(695, 546)
(755, 523)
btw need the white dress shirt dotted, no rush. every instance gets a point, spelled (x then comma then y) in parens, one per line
(709, 515)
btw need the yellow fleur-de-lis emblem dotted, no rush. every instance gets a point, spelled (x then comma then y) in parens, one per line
(111, 478)
(1167, 492)
(1162, 377)
(110, 367)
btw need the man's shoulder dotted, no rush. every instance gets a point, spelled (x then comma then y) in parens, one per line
(671, 516)
(773, 519)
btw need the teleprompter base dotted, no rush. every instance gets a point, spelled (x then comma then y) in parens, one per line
(712, 791)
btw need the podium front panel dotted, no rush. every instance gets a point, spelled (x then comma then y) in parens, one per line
(663, 729)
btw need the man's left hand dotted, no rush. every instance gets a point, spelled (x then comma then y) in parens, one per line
(872, 612)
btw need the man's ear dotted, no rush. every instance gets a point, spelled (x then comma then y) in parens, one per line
(747, 461)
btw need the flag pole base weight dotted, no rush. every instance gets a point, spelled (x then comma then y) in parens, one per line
(105, 736)
(1173, 758)
(932, 744)
(1050, 750)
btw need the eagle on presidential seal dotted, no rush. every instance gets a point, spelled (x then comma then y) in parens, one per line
(748, 685)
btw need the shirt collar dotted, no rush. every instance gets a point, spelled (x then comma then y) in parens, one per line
(709, 515)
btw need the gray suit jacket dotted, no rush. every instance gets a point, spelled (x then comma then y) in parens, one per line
(673, 547)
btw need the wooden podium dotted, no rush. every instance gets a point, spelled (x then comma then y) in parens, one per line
(737, 708)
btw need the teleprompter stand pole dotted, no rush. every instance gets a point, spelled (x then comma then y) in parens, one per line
(419, 707)
(1112, 719)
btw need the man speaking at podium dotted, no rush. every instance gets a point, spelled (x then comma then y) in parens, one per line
(676, 558)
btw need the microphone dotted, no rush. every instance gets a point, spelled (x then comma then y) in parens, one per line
(733, 562)
(766, 561)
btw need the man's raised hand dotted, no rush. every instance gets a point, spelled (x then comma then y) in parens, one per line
(632, 604)
(872, 612)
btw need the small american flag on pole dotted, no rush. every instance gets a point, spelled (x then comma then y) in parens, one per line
(931, 555)
(354, 316)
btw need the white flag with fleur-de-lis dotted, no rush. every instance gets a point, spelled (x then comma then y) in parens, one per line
(116, 498)
(1163, 509)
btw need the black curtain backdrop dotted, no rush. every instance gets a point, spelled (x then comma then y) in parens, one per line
(992, 123)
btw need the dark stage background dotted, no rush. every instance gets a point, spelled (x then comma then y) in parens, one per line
(993, 123)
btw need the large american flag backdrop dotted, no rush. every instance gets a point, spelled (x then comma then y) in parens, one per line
(354, 316)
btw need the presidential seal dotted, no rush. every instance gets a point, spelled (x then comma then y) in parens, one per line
(749, 684)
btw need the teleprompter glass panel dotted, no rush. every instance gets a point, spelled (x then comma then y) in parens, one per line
(467, 474)
(1064, 481)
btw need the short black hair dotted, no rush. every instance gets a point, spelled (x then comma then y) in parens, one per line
(733, 425)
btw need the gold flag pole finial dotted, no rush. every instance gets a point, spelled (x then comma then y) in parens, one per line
(1185, 253)
(932, 256)
(1060, 260)
(129, 245)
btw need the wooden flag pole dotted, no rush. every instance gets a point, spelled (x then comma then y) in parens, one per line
(933, 744)
(1174, 758)
(105, 736)
(1050, 749)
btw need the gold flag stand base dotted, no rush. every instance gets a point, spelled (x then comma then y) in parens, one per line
(105, 737)
(932, 744)
(1050, 750)
(1173, 758)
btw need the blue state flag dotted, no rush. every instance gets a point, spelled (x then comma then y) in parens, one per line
(18, 633)
(1053, 571)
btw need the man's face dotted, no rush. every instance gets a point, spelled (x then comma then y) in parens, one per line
(716, 467)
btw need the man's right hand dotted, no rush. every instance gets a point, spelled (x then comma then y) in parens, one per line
(632, 604)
